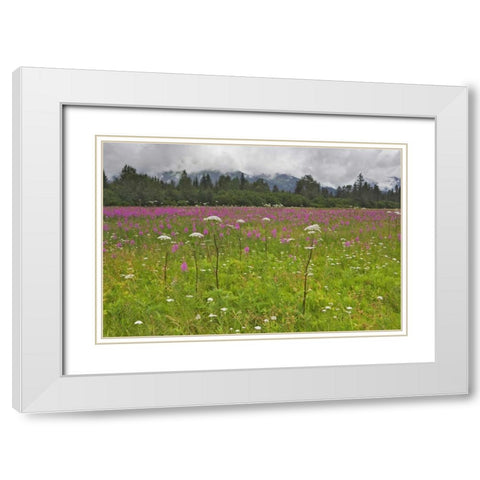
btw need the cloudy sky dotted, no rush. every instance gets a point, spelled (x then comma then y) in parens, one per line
(329, 166)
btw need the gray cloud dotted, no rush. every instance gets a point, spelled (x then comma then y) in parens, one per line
(329, 166)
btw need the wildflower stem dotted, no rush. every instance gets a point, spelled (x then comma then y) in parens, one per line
(216, 257)
(266, 240)
(305, 277)
(165, 269)
(196, 268)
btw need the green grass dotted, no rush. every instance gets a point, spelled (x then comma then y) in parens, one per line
(349, 288)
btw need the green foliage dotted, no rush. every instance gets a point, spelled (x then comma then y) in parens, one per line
(350, 287)
(133, 188)
(308, 187)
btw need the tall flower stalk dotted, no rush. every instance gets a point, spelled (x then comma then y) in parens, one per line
(265, 220)
(305, 276)
(214, 219)
(239, 222)
(165, 268)
(311, 230)
(164, 239)
(196, 236)
(217, 254)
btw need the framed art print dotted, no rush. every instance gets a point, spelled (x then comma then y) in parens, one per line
(194, 240)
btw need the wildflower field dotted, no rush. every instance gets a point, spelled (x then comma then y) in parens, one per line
(249, 270)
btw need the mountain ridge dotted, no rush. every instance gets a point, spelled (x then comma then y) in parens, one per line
(283, 181)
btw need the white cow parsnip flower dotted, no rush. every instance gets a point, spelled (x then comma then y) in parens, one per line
(315, 228)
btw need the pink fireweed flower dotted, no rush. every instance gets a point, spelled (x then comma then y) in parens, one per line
(184, 266)
(274, 233)
(175, 247)
(186, 230)
(246, 250)
(347, 243)
(205, 231)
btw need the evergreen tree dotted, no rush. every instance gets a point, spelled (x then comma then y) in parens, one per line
(260, 185)
(307, 187)
(185, 183)
(359, 183)
(206, 182)
(133, 188)
(243, 182)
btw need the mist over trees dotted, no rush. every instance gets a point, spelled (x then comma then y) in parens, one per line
(136, 189)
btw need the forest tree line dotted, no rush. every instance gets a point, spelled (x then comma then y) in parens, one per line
(131, 188)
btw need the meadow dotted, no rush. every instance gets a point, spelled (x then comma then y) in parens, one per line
(249, 270)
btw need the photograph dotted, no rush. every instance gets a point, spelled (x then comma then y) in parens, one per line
(241, 238)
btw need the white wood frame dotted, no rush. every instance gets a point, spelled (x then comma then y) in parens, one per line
(38, 97)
